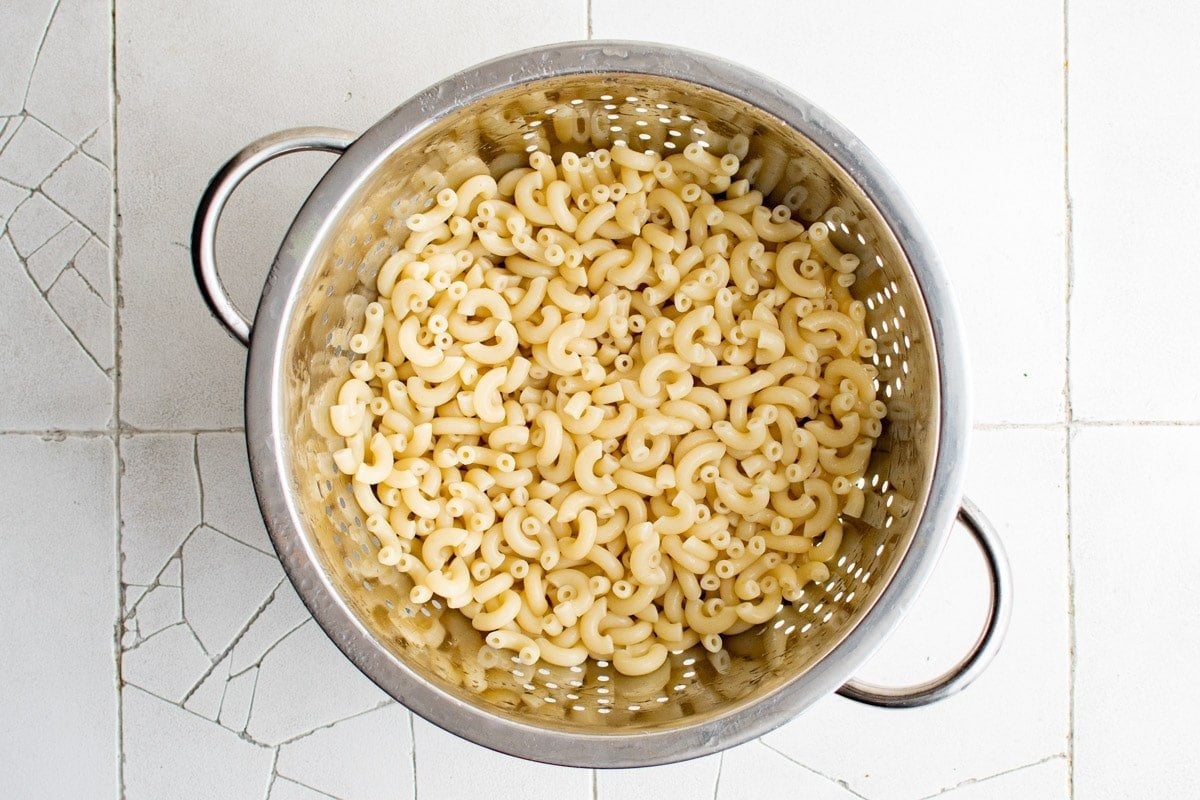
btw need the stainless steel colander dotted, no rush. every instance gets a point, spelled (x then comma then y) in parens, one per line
(579, 97)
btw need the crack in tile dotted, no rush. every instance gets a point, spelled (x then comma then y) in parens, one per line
(20, 121)
(38, 54)
(270, 553)
(41, 246)
(844, 784)
(310, 788)
(237, 637)
(70, 265)
(10, 183)
(8, 222)
(250, 706)
(4, 130)
(274, 773)
(199, 473)
(973, 781)
(138, 643)
(76, 149)
(192, 630)
(80, 222)
(720, 768)
(381, 704)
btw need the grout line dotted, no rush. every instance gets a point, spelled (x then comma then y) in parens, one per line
(1133, 423)
(595, 784)
(130, 430)
(1073, 424)
(412, 738)
(1018, 426)
(589, 20)
(57, 433)
(274, 772)
(1069, 253)
(114, 246)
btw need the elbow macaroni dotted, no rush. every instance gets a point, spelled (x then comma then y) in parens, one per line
(610, 407)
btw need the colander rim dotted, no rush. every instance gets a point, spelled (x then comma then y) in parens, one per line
(266, 432)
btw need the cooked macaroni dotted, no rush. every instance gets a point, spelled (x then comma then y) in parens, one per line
(612, 407)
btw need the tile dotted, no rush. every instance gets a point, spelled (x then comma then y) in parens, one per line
(49, 260)
(25, 24)
(1134, 167)
(229, 501)
(492, 774)
(86, 314)
(305, 683)
(1044, 781)
(206, 697)
(32, 153)
(695, 778)
(1017, 477)
(283, 789)
(307, 68)
(159, 608)
(160, 501)
(976, 147)
(35, 222)
(77, 52)
(283, 614)
(8, 126)
(11, 196)
(754, 770)
(227, 692)
(73, 395)
(82, 187)
(172, 574)
(168, 664)
(224, 583)
(99, 145)
(169, 752)
(330, 759)
(92, 262)
(235, 705)
(1137, 632)
(59, 571)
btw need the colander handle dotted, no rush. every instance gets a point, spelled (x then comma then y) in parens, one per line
(220, 189)
(985, 647)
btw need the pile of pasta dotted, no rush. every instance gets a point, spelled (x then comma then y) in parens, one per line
(610, 407)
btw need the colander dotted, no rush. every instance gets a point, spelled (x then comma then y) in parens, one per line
(578, 97)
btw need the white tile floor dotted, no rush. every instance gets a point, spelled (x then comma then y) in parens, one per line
(149, 630)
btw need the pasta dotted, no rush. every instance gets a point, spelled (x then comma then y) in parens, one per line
(609, 407)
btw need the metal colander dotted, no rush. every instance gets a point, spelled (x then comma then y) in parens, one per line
(577, 98)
